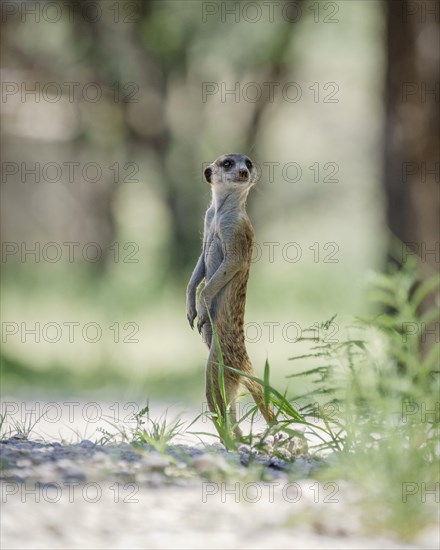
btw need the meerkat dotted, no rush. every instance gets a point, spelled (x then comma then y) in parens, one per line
(224, 266)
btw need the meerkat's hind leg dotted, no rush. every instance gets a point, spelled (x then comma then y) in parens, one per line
(234, 421)
(219, 402)
(256, 390)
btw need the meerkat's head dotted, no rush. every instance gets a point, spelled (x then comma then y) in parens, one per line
(233, 171)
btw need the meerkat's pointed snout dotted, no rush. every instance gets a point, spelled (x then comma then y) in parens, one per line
(243, 174)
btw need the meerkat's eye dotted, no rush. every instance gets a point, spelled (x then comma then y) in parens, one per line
(227, 164)
(249, 164)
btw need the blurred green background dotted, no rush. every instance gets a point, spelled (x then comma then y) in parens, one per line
(107, 156)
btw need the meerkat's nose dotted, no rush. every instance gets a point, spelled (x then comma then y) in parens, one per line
(243, 174)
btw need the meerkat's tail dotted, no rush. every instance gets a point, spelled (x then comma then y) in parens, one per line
(256, 390)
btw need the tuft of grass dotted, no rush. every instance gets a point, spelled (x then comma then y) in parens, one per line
(14, 427)
(156, 433)
(376, 392)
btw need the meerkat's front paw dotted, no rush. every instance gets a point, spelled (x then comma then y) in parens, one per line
(201, 322)
(203, 317)
(191, 314)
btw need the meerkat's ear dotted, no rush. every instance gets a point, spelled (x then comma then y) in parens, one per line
(208, 173)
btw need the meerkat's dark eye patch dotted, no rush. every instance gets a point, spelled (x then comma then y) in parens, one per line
(208, 174)
(227, 164)
(249, 164)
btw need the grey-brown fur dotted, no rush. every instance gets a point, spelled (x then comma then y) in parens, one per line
(224, 266)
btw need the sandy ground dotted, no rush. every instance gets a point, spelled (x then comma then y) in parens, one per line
(168, 518)
(194, 513)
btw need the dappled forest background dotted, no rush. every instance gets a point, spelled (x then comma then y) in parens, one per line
(110, 112)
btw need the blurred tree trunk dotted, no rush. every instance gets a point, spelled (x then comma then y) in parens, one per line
(412, 127)
(412, 124)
